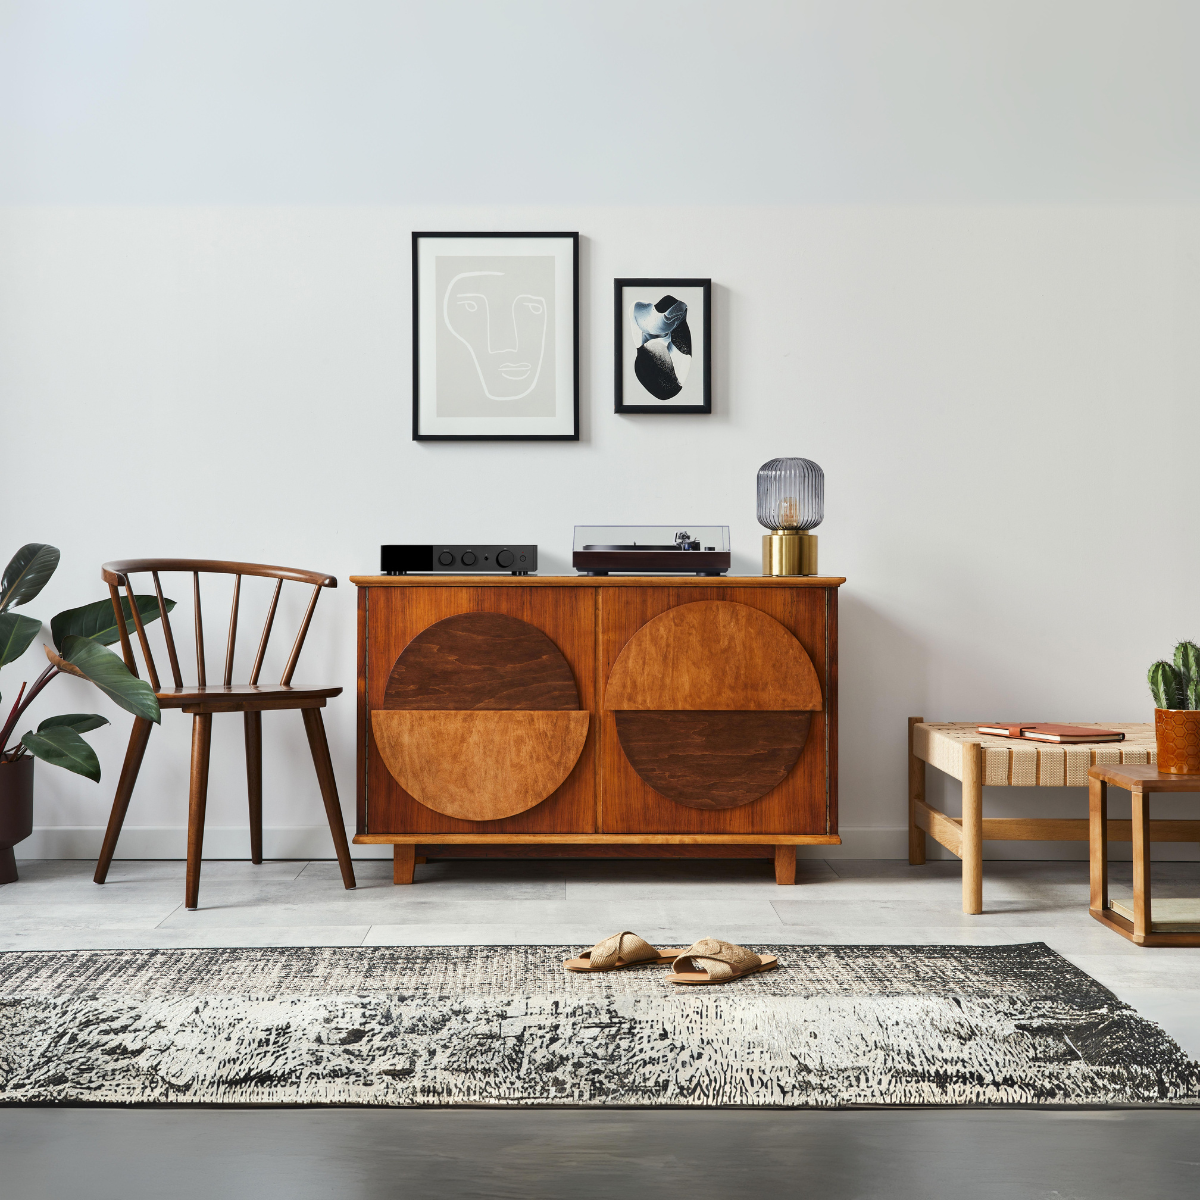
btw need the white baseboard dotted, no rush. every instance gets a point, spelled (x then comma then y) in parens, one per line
(312, 841)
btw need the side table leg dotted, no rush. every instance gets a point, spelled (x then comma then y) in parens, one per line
(972, 827)
(1141, 866)
(916, 792)
(1098, 843)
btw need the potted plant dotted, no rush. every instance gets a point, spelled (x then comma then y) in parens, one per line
(80, 636)
(1176, 691)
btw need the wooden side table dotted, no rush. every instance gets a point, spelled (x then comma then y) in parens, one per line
(1178, 921)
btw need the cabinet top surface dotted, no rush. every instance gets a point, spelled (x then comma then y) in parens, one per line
(594, 581)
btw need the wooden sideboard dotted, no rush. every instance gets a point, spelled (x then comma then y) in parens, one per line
(647, 716)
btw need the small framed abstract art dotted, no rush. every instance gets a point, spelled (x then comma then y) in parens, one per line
(663, 345)
(495, 336)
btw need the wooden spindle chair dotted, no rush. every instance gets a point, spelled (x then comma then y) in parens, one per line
(202, 700)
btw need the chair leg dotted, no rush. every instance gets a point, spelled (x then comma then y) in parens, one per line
(253, 722)
(138, 737)
(319, 745)
(197, 800)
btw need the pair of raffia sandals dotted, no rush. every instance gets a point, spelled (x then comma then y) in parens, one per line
(709, 960)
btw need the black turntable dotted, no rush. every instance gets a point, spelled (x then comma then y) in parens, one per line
(600, 549)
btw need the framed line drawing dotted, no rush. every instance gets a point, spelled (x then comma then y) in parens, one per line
(663, 333)
(495, 336)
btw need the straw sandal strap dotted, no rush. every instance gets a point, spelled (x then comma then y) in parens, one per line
(625, 946)
(721, 960)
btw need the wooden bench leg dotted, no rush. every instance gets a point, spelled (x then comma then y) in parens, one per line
(785, 864)
(972, 828)
(404, 861)
(916, 794)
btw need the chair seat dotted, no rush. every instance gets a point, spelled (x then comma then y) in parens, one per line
(244, 697)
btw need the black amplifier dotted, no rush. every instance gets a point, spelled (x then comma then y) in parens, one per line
(475, 559)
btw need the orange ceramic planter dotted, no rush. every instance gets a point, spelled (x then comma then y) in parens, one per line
(1177, 732)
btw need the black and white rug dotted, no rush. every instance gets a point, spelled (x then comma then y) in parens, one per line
(834, 1026)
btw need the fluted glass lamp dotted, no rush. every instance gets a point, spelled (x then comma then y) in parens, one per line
(791, 501)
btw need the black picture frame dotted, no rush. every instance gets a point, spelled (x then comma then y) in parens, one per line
(623, 337)
(417, 434)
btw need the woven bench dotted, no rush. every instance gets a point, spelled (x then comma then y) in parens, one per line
(977, 761)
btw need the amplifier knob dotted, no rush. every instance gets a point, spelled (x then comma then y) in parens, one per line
(468, 558)
(445, 558)
(504, 558)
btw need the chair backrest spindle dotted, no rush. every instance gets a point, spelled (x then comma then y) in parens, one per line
(294, 657)
(233, 616)
(141, 632)
(266, 633)
(200, 676)
(166, 624)
(122, 630)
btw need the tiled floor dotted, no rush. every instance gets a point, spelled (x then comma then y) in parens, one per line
(875, 1154)
(56, 906)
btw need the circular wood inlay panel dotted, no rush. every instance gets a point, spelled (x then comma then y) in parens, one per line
(479, 766)
(481, 660)
(713, 654)
(712, 759)
(713, 702)
(480, 718)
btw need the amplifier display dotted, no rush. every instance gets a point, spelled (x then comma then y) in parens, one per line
(445, 559)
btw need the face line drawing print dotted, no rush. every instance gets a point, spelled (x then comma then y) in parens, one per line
(513, 371)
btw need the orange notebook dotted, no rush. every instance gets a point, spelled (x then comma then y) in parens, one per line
(1053, 733)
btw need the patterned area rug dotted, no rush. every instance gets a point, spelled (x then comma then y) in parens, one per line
(834, 1026)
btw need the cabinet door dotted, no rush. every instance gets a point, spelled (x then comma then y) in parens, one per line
(734, 701)
(395, 617)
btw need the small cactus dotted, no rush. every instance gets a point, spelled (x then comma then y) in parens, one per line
(1193, 694)
(1187, 662)
(1167, 688)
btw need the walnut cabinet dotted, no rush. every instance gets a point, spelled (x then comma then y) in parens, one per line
(649, 716)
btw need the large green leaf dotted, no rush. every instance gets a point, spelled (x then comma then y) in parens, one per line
(26, 575)
(111, 676)
(98, 621)
(63, 747)
(80, 722)
(16, 634)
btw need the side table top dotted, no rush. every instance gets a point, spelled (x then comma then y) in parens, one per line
(1143, 779)
(1019, 762)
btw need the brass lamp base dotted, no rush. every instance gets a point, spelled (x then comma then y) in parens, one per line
(789, 552)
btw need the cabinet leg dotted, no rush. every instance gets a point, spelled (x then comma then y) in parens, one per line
(785, 864)
(972, 828)
(916, 792)
(404, 861)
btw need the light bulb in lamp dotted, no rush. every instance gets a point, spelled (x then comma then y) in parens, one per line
(791, 501)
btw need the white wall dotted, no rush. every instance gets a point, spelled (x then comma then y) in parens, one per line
(204, 284)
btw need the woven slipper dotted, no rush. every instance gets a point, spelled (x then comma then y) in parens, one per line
(713, 961)
(621, 950)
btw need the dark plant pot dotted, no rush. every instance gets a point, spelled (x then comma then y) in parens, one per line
(16, 812)
(1177, 734)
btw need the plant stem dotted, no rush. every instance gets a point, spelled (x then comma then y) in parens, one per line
(18, 708)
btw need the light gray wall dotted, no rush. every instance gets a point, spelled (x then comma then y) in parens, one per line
(956, 256)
